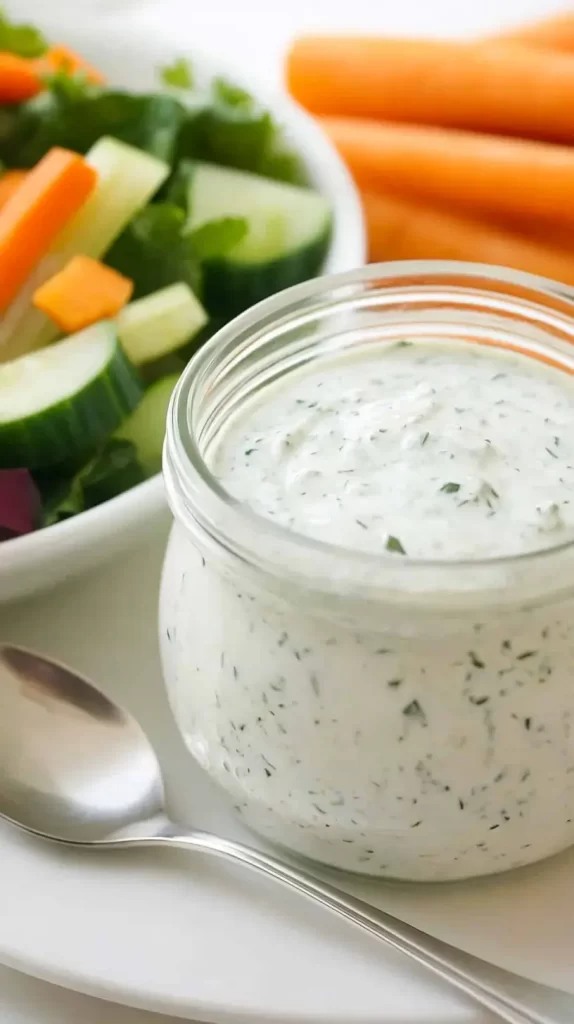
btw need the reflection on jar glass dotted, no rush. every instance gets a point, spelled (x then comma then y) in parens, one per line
(367, 609)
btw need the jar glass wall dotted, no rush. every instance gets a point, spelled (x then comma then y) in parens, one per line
(389, 716)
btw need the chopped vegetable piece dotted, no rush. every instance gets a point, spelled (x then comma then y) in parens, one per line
(19, 79)
(145, 428)
(37, 211)
(160, 323)
(84, 292)
(127, 178)
(19, 503)
(473, 171)
(400, 229)
(507, 89)
(9, 182)
(62, 403)
(287, 240)
(63, 59)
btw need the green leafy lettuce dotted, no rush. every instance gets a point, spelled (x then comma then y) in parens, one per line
(111, 472)
(24, 40)
(178, 75)
(225, 125)
(156, 249)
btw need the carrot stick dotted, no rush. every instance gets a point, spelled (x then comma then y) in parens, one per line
(84, 292)
(9, 182)
(62, 58)
(480, 173)
(52, 192)
(554, 33)
(19, 79)
(399, 229)
(507, 89)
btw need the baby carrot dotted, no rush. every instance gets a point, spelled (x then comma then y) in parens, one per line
(84, 292)
(480, 173)
(51, 193)
(508, 89)
(399, 229)
(554, 33)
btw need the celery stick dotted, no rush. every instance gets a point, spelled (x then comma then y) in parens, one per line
(127, 179)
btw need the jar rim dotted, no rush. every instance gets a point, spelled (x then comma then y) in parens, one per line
(190, 482)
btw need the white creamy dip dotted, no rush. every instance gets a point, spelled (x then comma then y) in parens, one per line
(422, 755)
(455, 452)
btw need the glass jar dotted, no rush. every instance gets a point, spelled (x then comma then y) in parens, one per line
(402, 718)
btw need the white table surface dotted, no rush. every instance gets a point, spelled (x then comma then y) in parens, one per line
(253, 31)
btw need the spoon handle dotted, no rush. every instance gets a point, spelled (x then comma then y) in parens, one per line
(458, 968)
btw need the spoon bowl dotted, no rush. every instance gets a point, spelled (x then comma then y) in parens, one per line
(76, 769)
(73, 765)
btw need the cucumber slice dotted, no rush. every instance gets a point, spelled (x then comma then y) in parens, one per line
(146, 426)
(160, 323)
(127, 178)
(287, 241)
(61, 403)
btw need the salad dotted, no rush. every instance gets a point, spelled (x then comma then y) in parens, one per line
(132, 226)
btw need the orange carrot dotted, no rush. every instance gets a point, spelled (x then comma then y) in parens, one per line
(506, 89)
(52, 192)
(19, 79)
(84, 292)
(9, 182)
(62, 58)
(554, 33)
(480, 173)
(23, 77)
(399, 229)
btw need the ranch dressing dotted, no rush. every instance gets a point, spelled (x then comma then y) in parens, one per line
(453, 452)
(418, 756)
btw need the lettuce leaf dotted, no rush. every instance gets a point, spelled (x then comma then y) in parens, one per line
(24, 40)
(178, 75)
(111, 472)
(156, 250)
(74, 114)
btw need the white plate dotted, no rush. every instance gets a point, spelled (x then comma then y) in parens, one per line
(187, 936)
(39, 560)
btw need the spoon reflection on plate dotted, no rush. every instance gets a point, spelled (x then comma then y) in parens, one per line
(76, 769)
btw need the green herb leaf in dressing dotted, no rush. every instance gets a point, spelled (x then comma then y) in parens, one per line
(394, 544)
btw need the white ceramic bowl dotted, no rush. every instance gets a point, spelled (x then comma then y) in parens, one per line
(39, 560)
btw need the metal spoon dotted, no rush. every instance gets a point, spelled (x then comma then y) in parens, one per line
(76, 769)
